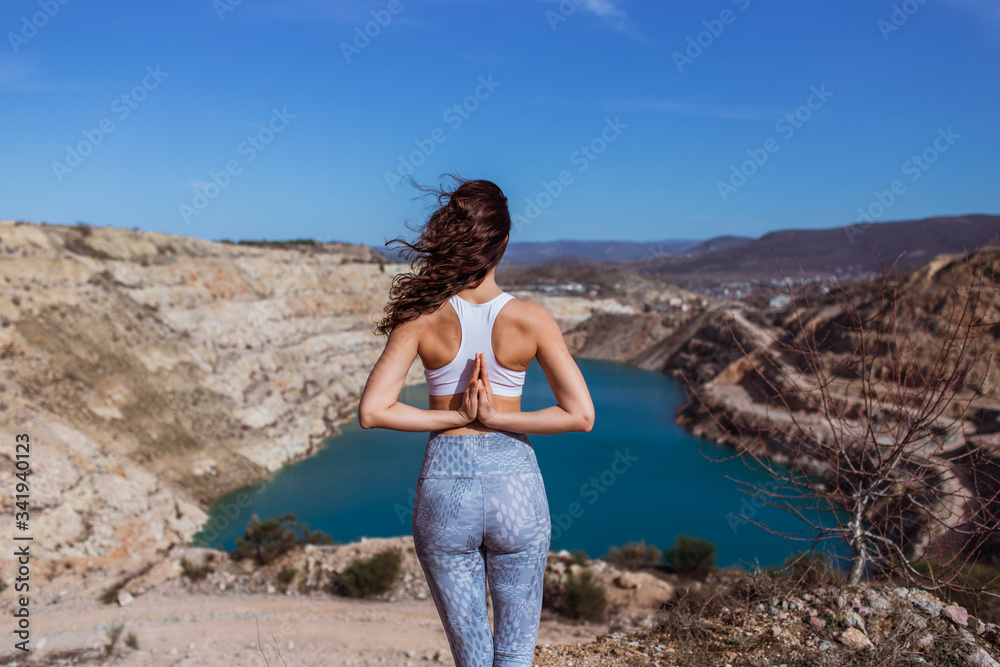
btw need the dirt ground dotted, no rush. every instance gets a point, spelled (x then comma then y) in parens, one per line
(179, 628)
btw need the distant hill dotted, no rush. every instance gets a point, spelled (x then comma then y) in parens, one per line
(845, 252)
(717, 243)
(601, 251)
(837, 250)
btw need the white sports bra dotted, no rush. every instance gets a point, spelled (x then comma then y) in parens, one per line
(476, 320)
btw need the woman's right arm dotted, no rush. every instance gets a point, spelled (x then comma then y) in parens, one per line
(574, 409)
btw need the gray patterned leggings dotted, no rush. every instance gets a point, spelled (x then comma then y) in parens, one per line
(481, 513)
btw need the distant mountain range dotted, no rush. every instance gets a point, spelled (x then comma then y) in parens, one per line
(846, 250)
(601, 251)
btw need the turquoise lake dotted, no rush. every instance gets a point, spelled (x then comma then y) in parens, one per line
(635, 476)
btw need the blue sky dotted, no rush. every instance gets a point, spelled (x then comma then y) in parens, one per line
(600, 119)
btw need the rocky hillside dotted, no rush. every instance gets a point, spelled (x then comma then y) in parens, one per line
(705, 349)
(155, 373)
(764, 618)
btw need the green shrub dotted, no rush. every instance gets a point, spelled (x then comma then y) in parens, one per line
(132, 641)
(274, 537)
(551, 592)
(585, 597)
(114, 632)
(287, 574)
(633, 555)
(372, 576)
(268, 540)
(692, 556)
(314, 536)
(579, 556)
(195, 572)
(110, 593)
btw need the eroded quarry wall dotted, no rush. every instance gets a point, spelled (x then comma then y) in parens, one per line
(155, 373)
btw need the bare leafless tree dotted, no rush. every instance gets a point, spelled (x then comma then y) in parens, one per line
(866, 414)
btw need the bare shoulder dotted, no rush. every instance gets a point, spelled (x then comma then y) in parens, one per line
(435, 330)
(415, 328)
(530, 308)
(410, 330)
(534, 317)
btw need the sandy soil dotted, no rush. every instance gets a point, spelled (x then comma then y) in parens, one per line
(239, 613)
(179, 628)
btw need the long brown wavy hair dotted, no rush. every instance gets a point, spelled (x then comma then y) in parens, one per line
(458, 245)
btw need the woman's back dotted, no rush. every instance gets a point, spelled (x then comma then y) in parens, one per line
(502, 322)
(475, 340)
(496, 327)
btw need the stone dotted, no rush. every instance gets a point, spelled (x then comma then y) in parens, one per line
(878, 603)
(926, 642)
(817, 622)
(932, 607)
(853, 620)
(956, 614)
(124, 598)
(854, 638)
(913, 619)
(980, 658)
(627, 580)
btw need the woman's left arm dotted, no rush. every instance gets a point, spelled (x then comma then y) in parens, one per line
(379, 407)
